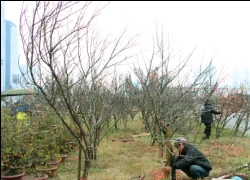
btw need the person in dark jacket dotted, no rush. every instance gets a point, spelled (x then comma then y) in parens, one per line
(207, 118)
(190, 160)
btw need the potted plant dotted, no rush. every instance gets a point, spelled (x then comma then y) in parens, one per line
(14, 147)
(45, 152)
(33, 174)
(37, 176)
(50, 170)
(10, 169)
(62, 140)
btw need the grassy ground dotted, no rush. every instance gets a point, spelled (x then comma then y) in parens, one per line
(124, 157)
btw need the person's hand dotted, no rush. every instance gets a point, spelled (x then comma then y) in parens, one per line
(173, 167)
(166, 169)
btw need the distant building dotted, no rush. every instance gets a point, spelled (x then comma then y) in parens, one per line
(241, 77)
(209, 71)
(12, 72)
(2, 46)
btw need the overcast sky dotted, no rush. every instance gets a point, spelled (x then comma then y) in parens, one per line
(215, 26)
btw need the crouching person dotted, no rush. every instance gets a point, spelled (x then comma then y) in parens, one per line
(190, 160)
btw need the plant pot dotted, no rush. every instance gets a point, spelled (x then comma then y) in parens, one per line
(72, 144)
(19, 176)
(63, 157)
(64, 151)
(35, 177)
(54, 163)
(28, 165)
(52, 127)
(33, 132)
(50, 170)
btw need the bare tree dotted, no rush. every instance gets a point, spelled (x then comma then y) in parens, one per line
(166, 97)
(233, 103)
(69, 63)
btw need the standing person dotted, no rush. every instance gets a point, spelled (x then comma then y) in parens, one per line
(207, 118)
(190, 160)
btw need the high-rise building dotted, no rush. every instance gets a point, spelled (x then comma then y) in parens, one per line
(12, 72)
(2, 46)
(206, 73)
(241, 76)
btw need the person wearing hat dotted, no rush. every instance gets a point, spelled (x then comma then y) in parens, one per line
(207, 118)
(190, 160)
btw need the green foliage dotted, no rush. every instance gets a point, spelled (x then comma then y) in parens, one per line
(14, 144)
(38, 140)
(120, 154)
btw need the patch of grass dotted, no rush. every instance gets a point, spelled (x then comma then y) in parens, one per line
(125, 156)
(122, 156)
(227, 154)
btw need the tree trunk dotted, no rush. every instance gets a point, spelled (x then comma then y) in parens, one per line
(169, 149)
(79, 159)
